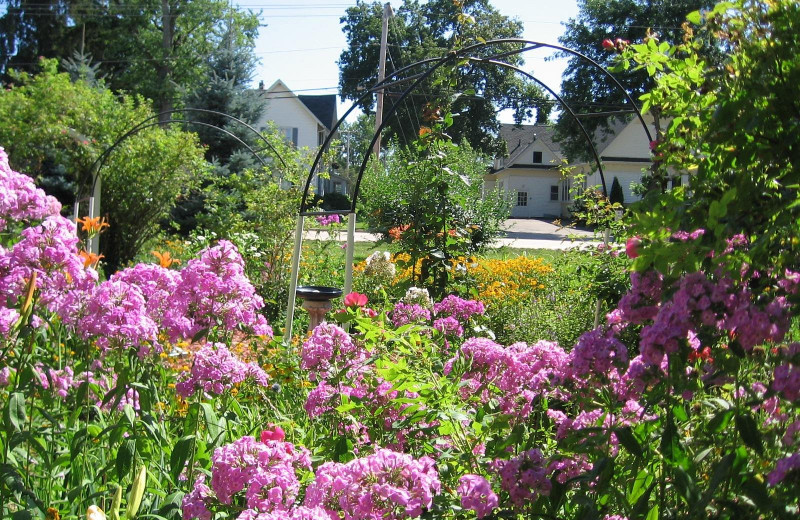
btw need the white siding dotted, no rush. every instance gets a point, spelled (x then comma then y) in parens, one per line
(286, 111)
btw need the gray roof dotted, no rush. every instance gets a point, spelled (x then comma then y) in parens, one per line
(519, 137)
(323, 107)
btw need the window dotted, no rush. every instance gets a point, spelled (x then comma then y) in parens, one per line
(537, 157)
(676, 181)
(554, 192)
(522, 198)
(338, 188)
(290, 134)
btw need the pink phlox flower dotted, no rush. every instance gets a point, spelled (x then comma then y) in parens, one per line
(783, 468)
(476, 494)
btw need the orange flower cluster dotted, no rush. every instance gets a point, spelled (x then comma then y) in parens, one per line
(397, 232)
(93, 226)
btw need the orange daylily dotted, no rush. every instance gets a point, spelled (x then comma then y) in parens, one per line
(89, 259)
(397, 232)
(93, 225)
(165, 260)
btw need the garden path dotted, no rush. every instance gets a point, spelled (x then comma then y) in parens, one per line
(520, 234)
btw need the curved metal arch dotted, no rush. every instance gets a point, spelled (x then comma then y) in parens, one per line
(565, 106)
(437, 63)
(145, 123)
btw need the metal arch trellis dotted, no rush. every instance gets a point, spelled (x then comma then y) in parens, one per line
(417, 79)
(100, 161)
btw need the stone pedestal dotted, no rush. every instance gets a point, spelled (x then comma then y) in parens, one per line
(317, 311)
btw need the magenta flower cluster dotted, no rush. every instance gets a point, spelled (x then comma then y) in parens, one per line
(405, 313)
(384, 485)
(264, 474)
(513, 375)
(327, 220)
(20, 200)
(524, 477)
(458, 308)
(216, 370)
(477, 495)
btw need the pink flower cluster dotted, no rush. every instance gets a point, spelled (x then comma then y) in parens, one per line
(514, 375)
(329, 350)
(385, 485)
(327, 220)
(216, 370)
(699, 301)
(265, 472)
(524, 477)
(20, 200)
(458, 308)
(405, 313)
(476, 494)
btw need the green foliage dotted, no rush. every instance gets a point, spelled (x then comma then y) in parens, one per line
(733, 126)
(55, 129)
(430, 199)
(565, 307)
(153, 48)
(585, 87)
(431, 29)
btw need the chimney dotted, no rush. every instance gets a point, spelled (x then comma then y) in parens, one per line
(261, 85)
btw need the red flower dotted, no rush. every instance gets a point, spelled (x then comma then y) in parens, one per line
(704, 354)
(355, 299)
(631, 247)
(608, 44)
(275, 434)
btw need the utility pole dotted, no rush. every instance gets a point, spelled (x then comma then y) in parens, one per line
(387, 13)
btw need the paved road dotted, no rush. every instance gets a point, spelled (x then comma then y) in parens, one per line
(520, 233)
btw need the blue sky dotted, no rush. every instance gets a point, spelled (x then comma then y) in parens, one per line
(302, 40)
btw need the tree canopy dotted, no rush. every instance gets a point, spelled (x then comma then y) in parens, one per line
(432, 29)
(584, 87)
(154, 48)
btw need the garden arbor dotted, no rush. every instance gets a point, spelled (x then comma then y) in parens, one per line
(486, 54)
(89, 185)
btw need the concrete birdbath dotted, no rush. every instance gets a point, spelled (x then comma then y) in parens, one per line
(317, 301)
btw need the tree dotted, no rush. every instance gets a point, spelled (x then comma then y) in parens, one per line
(430, 199)
(733, 124)
(53, 124)
(431, 29)
(616, 195)
(584, 87)
(230, 70)
(154, 48)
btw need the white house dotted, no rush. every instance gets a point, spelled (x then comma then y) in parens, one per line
(529, 175)
(305, 121)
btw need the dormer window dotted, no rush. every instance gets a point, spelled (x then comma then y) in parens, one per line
(537, 157)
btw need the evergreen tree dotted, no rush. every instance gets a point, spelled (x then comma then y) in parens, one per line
(616, 194)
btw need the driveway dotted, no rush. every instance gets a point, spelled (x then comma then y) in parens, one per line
(529, 233)
(520, 233)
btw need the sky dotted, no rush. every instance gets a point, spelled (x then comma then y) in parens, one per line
(300, 42)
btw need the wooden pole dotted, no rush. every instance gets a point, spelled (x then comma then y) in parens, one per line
(387, 12)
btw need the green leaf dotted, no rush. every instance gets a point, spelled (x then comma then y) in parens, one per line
(627, 439)
(179, 456)
(125, 458)
(212, 422)
(694, 17)
(748, 430)
(653, 513)
(15, 412)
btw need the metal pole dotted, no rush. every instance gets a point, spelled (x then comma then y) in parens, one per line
(298, 241)
(351, 239)
(387, 12)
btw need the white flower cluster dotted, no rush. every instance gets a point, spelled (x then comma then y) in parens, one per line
(419, 296)
(379, 265)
